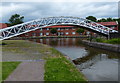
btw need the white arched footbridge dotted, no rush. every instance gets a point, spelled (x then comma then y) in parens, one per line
(51, 21)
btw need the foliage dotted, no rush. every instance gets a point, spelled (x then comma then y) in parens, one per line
(99, 40)
(92, 18)
(102, 20)
(53, 30)
(108, 19)
(7, 68)
(16, 19)
(80, 30)
(8, 24)
(113, 41)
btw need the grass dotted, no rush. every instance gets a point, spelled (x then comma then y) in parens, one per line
(58, 68)
(7, 68)
(113, 41)
(19, 47)
(17, 43)
(99, 40)
(0, 72)
(110, 41)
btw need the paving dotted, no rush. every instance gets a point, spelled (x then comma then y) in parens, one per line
(31, 67)
(28, 71)
(18, 56)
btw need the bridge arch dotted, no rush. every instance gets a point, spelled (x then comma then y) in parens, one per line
(52, 21)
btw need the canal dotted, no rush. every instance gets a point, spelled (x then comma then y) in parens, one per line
(95, 64)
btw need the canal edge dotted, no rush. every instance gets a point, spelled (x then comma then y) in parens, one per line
(109, 47)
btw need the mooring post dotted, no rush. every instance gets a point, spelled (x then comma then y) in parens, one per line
(108, 34)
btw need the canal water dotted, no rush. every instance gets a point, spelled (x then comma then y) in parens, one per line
(95, 64)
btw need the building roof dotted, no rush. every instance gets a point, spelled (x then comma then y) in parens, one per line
(59, 26)
(3, 25)
(108, 23)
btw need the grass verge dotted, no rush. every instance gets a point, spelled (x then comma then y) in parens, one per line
(113, 41)
(58, 68)
(7, 68)
(110, 41)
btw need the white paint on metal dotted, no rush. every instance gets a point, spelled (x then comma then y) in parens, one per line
(51, 21)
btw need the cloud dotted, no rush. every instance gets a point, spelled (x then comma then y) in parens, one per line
(60, 0)
(35, 10)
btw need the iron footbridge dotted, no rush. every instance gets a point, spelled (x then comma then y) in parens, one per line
(52, 21)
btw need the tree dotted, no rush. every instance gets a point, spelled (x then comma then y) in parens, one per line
(8, 24)
(16, 19)
(53, 30)
(102, 20)
(109, 19)
(80, 30)
(118, 20)
(92, 18)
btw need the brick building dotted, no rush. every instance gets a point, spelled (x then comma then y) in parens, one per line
(3, 25)
(112, 25)
(61, 31)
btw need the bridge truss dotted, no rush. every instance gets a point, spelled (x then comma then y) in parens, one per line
(51, 21)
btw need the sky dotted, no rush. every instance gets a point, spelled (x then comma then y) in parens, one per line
(34, 10)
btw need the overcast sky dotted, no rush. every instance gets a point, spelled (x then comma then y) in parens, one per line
(35, 10)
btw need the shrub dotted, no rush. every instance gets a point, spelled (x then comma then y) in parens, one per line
(80, 30)
(99, 40)
(53, 30)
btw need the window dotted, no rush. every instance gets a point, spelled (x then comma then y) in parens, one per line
(112, 27)
(47, 33)
(41, 34)
(62, 33)
(47, 28)
(67, 33)
(26, 34)
(58, 29)
(58, 33)
(87, 32)
(33, 34)
(66, 28)
(40, 29)
(73, 28)
(73, 32)
(61, 28)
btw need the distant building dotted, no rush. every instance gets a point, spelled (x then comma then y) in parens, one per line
(112, 25)
(3, 25)
(62, 30)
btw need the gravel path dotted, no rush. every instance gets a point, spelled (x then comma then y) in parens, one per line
(28, 71)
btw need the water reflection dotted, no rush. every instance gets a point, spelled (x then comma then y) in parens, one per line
(96, 64)
(59, 41)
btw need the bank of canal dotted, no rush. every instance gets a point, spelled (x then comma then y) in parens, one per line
(96, 64)
(57, 67)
